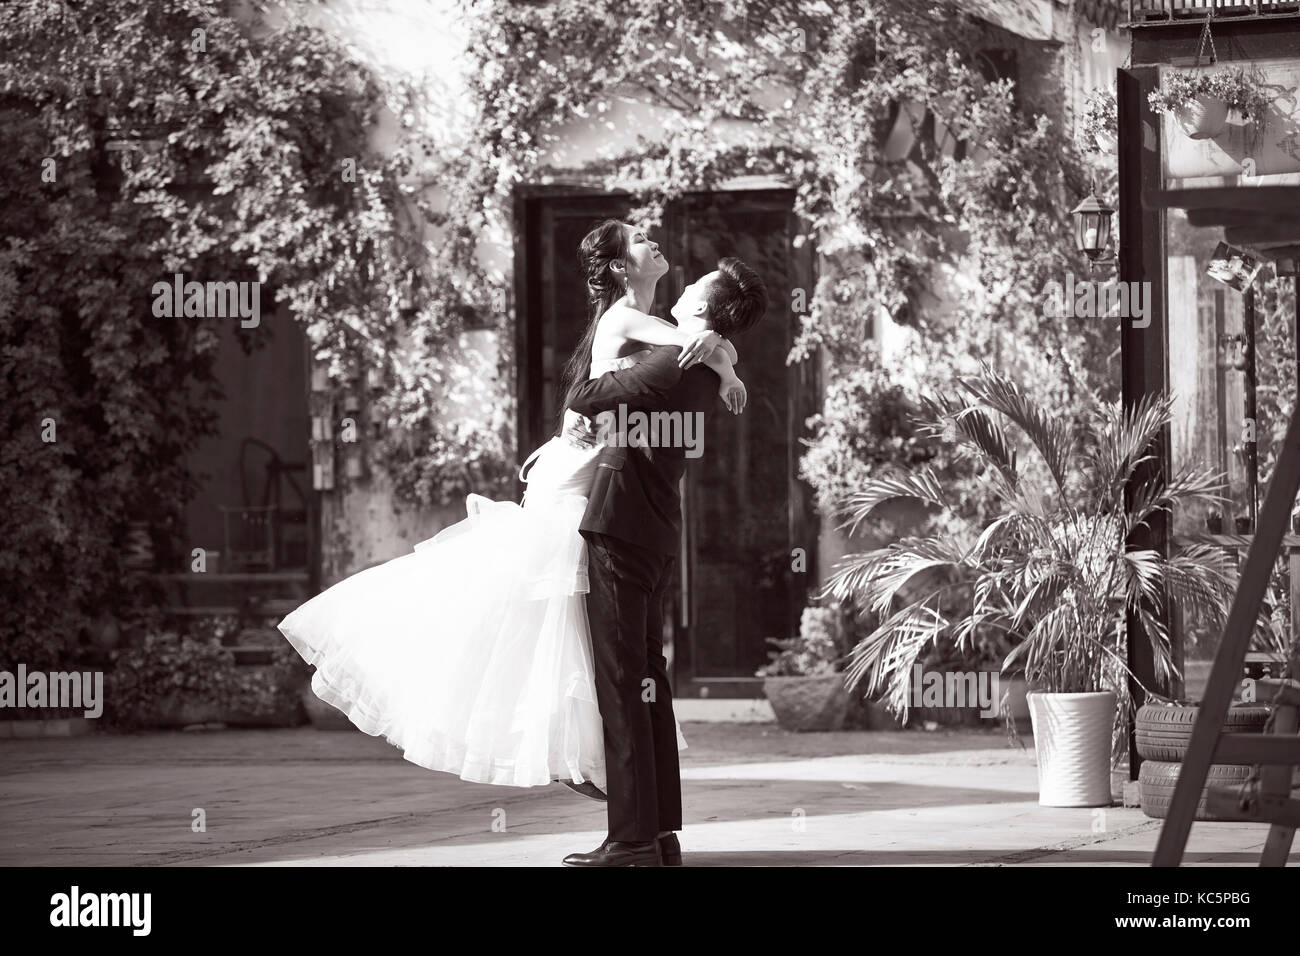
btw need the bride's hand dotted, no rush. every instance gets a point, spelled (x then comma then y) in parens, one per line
(734, 395)
(698, 348)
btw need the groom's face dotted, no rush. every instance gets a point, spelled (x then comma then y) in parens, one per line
(692, 309)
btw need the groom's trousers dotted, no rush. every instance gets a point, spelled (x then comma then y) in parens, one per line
(625, 608)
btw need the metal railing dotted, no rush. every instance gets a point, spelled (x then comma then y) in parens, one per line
(1145, 12)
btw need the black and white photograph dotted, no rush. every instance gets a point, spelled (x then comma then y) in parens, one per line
(1233, 267)
(747, 434)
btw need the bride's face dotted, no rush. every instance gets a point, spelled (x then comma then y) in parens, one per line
(644, 260)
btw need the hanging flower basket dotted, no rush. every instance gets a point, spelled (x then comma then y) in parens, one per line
(1203, 118)
(1100, 120)
(1201, 102)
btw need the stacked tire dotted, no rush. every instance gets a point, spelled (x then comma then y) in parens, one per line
(1163, 732)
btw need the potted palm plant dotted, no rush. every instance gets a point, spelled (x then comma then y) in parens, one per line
(1051, 571)
(1200, 102)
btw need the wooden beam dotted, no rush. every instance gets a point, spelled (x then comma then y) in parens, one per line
(1275, 200)
(1275, 787)
(1257, 807)
(1268, 232)
(1271, 690)
(1278, 252)
(1237, 38)
(1237, 630)
(1211, 216)
(1143, 352)
(1257, 748)
(1239, 541)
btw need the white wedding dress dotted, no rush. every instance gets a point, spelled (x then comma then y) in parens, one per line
(472, 653)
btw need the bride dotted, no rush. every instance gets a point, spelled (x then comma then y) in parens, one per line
(472, 653)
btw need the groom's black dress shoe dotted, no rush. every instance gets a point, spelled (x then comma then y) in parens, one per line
(612, 853)
(670, 850)
(587, 789)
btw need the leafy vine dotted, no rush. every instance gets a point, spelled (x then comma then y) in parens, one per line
(814, 94)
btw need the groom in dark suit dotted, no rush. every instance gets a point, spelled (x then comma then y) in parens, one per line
(633, 530)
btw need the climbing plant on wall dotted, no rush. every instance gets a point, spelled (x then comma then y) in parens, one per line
(810, 93)
(144, 139)
(183, 139)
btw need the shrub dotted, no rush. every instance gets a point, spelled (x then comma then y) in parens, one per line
(816, 651)
(166, 668)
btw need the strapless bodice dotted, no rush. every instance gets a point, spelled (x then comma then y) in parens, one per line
(566, 464)
(600, 366)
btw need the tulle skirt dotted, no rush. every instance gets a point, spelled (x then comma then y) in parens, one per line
(472, 653)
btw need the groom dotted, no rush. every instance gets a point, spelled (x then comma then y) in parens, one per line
(633, 530)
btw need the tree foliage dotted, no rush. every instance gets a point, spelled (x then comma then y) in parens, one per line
(149, 138)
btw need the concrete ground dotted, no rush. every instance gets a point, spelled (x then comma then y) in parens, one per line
(754, 796)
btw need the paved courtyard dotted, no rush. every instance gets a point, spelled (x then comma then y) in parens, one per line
(754, 796)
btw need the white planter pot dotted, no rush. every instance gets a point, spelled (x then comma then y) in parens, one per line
(1072, 740)
(1204, 118)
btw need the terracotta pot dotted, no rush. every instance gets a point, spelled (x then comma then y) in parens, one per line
(1072, 741)
(1204, 118)
(808, 703)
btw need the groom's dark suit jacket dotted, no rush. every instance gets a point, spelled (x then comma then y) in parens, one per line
(634, 496)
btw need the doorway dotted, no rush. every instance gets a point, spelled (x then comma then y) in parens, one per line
(745, 513)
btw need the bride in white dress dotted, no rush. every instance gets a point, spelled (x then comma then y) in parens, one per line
(472, 653)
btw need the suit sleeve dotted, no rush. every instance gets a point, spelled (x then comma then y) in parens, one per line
(645, 385)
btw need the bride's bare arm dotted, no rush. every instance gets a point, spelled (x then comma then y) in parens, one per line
(639, 327)
(652, 330)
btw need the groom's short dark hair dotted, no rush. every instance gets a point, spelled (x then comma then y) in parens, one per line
(737, 298)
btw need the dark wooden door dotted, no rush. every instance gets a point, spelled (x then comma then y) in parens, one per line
(553, 300)
(745, 512)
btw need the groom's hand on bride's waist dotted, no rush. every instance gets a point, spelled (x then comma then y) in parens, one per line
(582, 431)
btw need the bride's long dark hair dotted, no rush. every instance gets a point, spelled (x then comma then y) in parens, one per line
(605, 245)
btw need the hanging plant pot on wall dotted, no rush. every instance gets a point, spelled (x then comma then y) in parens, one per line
(1200, 102)
(1100, 120)
(1205, 117)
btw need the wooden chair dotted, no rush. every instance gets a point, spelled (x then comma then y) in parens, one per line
(1266, 795)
